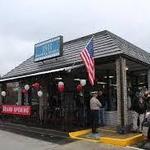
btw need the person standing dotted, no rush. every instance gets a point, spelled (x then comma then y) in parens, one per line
(134, 108)
(139, 110)
(141, 113)
(147, 100)
(94, 107)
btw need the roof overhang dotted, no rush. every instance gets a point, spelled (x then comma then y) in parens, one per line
(43, 72)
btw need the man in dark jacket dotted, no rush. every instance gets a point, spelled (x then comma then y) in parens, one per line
(139, 110)
(142, 111)
(146, 98)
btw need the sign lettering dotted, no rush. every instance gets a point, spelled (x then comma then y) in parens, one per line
(16, 110)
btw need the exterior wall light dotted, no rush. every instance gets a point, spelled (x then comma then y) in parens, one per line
(111, 76)
(126, 68)
(77, 79)
(58, 78)
(108, 77)
(101, 83)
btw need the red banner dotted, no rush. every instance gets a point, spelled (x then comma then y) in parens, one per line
(16, 110)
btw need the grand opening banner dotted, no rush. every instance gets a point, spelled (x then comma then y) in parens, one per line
(16, 110)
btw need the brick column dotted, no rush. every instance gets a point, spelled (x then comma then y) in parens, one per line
(121, 91)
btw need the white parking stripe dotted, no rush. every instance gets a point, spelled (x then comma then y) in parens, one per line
(134, 148)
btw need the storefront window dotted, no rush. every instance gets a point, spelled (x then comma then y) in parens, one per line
(12, 93)
(107, 84)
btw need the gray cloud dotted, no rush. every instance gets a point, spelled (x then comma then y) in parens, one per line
(24, 23)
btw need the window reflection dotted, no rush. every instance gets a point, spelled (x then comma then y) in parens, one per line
(107, 84)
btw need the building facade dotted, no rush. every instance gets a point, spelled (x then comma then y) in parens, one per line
(122, 70)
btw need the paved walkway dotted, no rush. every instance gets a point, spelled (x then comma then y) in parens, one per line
(11, 141)
(84, 145)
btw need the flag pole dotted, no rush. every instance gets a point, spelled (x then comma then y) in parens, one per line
(90, 40)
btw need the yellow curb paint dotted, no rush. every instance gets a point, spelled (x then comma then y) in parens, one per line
(79, 138)
(122, 142)
(81, 132)
(107, 140)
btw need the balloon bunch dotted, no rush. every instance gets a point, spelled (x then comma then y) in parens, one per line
(61, 87)
(40, 93)
(37, 86)
(3, 93)
(25, 89)
(80, 86)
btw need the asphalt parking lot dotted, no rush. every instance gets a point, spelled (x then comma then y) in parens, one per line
(15, 141)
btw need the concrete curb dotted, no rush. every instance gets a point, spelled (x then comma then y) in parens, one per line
(107, 140)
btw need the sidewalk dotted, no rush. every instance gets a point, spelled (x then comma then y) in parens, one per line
(85, 145)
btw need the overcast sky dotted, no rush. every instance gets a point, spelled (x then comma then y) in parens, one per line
(24, 23)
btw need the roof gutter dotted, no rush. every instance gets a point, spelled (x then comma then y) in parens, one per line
(43, 72)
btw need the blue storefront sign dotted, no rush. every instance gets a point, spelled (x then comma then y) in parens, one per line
(48, 49)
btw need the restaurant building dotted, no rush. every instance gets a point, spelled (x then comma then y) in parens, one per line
(30, 94)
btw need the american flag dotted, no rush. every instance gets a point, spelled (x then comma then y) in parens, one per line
(87, 55)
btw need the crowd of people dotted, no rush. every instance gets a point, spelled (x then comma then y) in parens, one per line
(140, 111)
